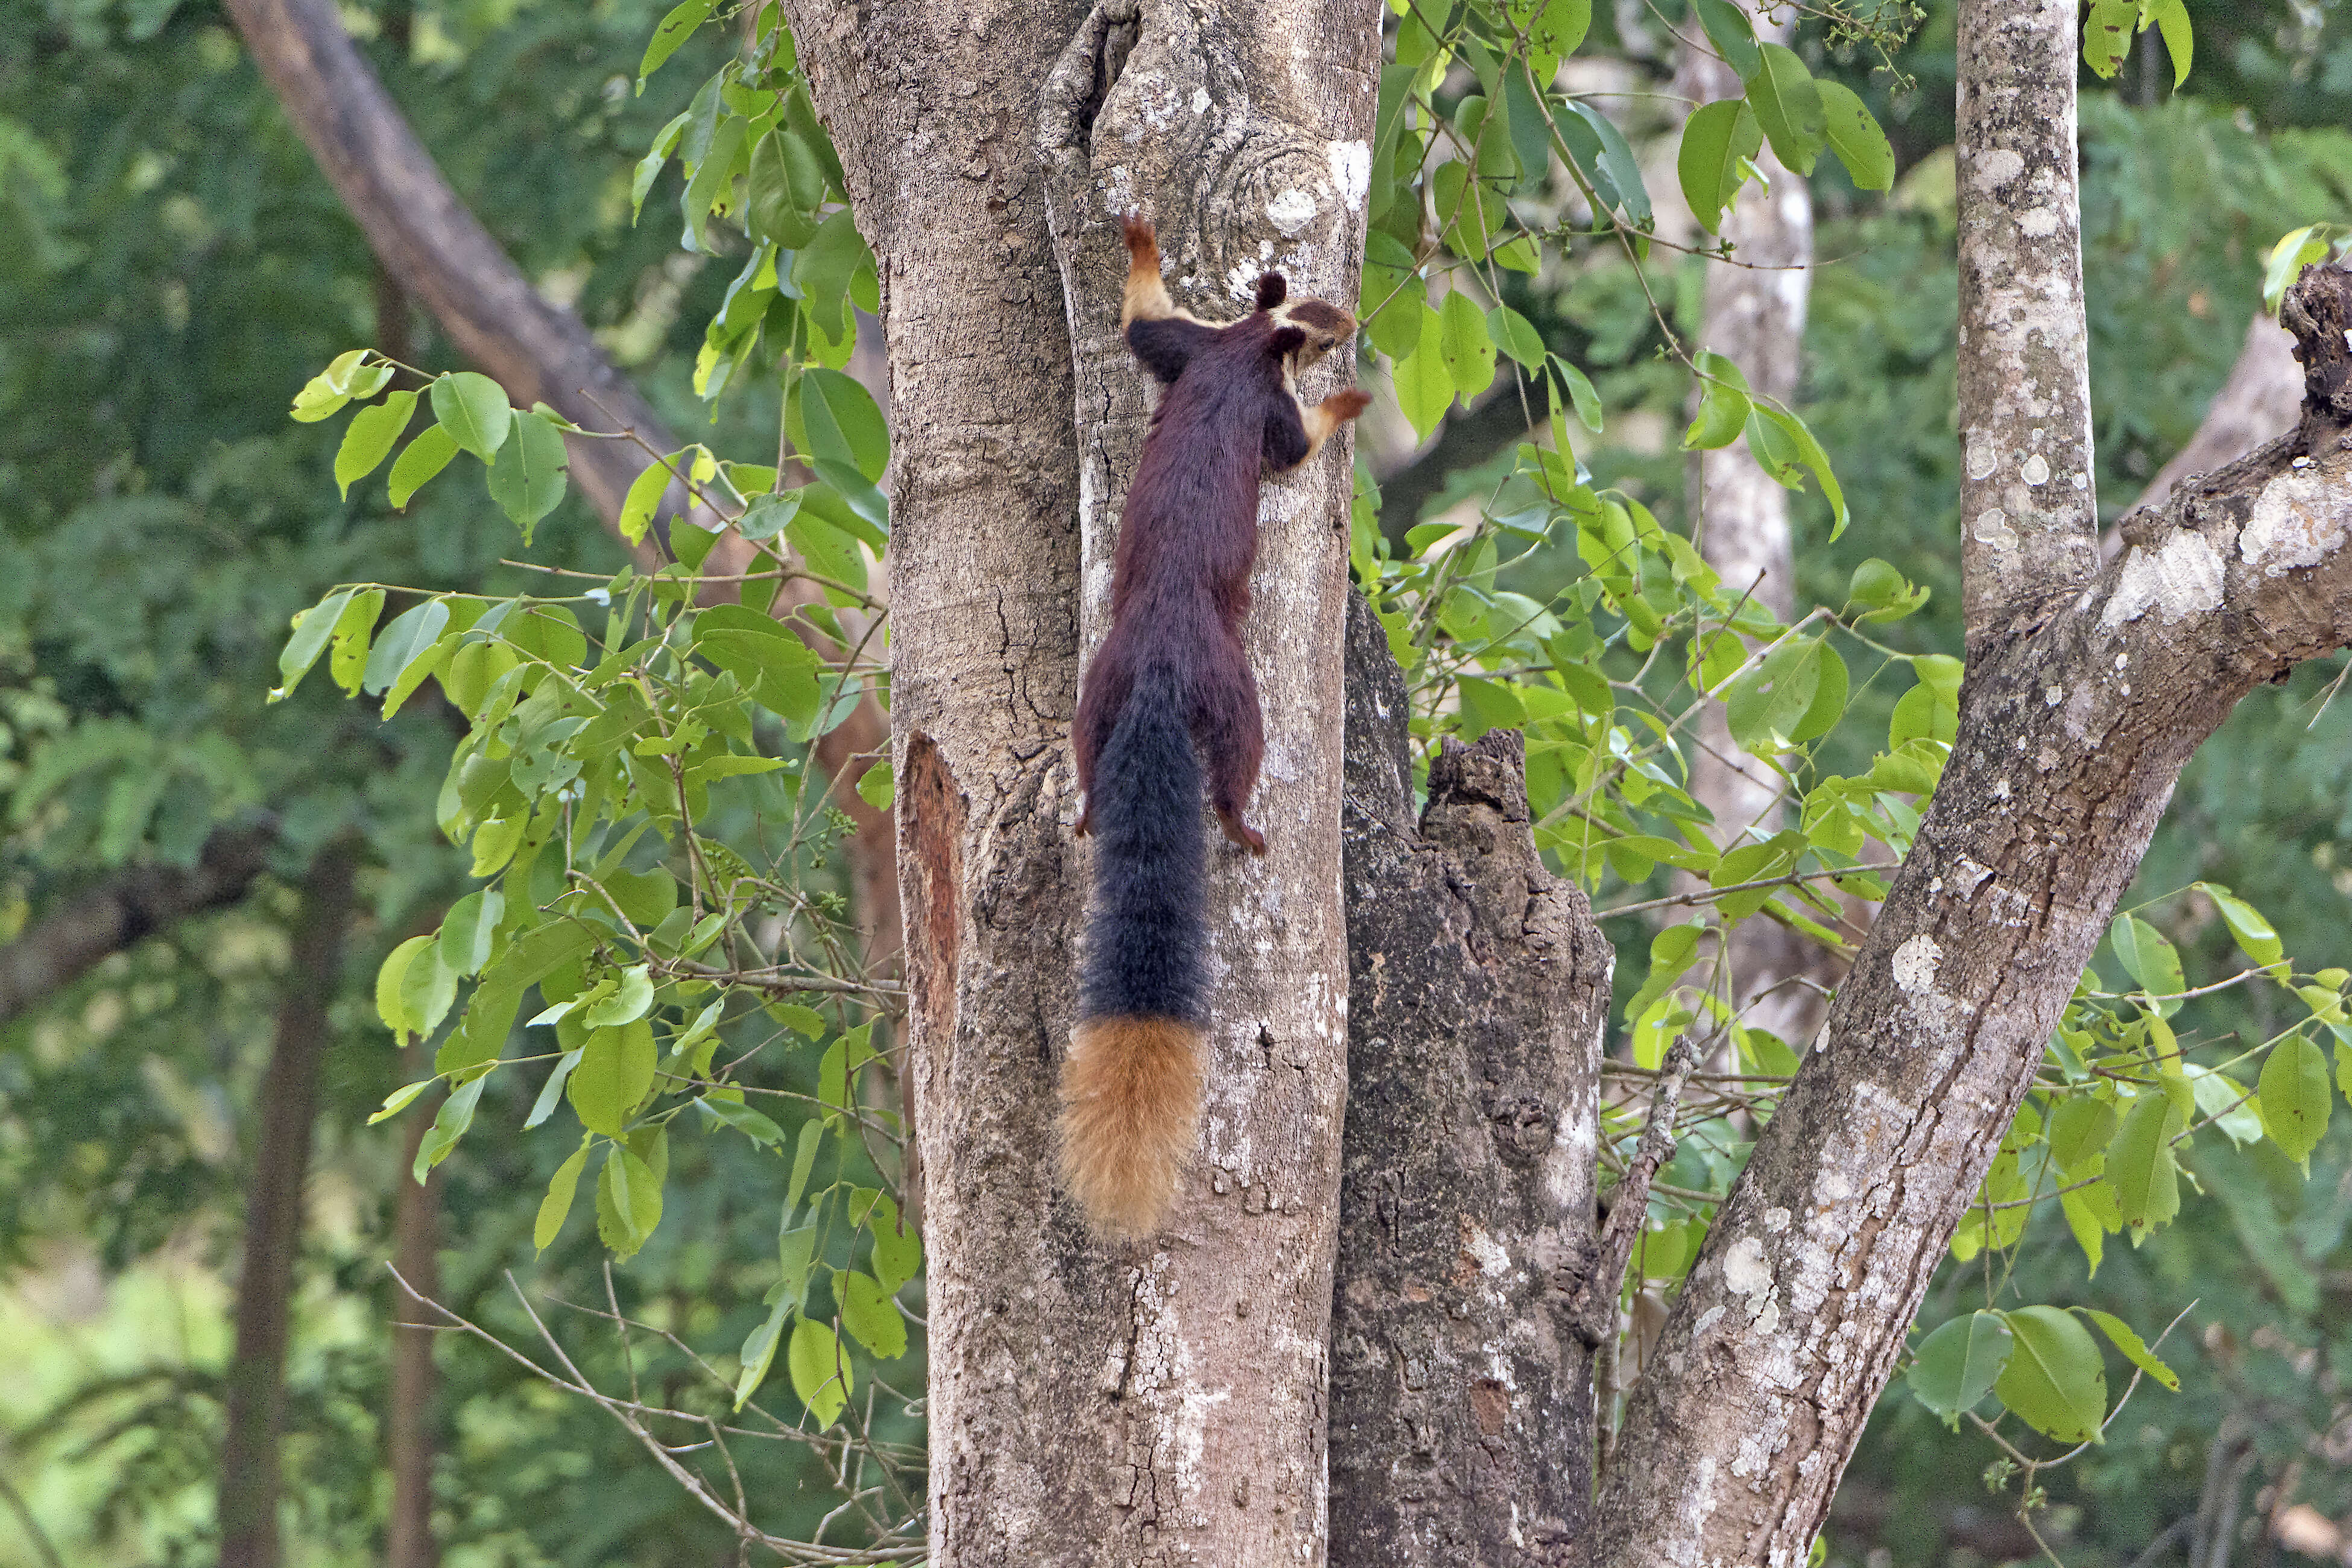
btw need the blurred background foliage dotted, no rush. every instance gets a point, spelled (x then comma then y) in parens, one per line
(174, 267)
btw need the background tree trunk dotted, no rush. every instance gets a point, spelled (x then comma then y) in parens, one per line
(273, 1217)
(409, 1417)
(1478, 988)
(1162, 1400)
(1755, 314)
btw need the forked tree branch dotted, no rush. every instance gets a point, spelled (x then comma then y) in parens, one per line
(2075, 720)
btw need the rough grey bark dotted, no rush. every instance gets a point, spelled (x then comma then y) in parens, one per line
(67, 941)
(1755, 314)
(1162, 1401)
(1478, 988)
(254, 1379)
(2073, 731)
(2028, 510)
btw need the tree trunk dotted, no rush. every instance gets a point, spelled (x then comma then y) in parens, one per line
(1478, 988)
(408, 1418)
(273, 1218)
(1162, 1400)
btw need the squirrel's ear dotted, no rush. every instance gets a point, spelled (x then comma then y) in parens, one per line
(1286, 342)
(1273, 289)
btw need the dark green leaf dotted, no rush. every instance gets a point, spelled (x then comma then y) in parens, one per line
(668, 33)
(1855, 137)
(1957, 1364)
(1729, 30)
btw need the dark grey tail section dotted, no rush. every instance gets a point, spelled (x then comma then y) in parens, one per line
(1149, 928)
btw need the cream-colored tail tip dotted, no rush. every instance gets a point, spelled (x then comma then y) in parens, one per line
(1130, 1104)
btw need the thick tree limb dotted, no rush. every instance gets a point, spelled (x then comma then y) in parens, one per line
(1478, 988)
(2072, 735)
(66, 941)
(2029, 509)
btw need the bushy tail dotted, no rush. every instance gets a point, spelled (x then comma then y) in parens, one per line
(1131, 1084)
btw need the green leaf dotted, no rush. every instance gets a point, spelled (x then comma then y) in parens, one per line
(2150, 959)
(1809, 453)
(876, 785)
(1956, 1365)
(668, 33)
(1581, 394)
(389, 980)
(348, 652)
(2054, 1380)
(372, 433)
(1766, 707)
(311, 629)
(616, 1067)
(1424, 387)
(787, 187)
(758, 1128)
(2080, 1130)
(2248, 927)
(1607, 159)
(419, 461)
(629, 1001)
(409, 638)
(527, 479)
(557, 1204)
(759, 1353)
(649, 167)
(325, 393)
(870, 1315)
(1787, 104)
(1732, 34)
(456, 1114)
(400, 1099)
(2141, 1166)
(2107, 35)
(2134, 1349)
(643, 499)
(820, 1372)
(780, 670)
(2294, 1097)
(827, 266)
(898, 1246)
(1856, 137)
(2084, 1222)
(1723, 406)
(812, 1134)
(475, 412)
(2171, 18)
(712, 181)
(1462, 344)
(1717, 140)
(470, 929)
(427, 986)
(635, 1193)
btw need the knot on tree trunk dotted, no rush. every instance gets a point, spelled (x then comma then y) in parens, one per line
(2318, 311)
(1491, 772)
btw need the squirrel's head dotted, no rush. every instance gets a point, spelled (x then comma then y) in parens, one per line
(1321, 327)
